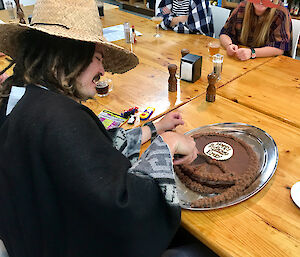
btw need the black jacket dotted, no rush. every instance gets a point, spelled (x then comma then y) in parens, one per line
(66, 191)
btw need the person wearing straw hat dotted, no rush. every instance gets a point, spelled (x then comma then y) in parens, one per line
(68, 187)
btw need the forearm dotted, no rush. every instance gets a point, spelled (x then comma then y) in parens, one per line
(156, 162)
(268, 51)
(146, 131)
(174, 21)
(146, 134)
(225, 40)
(178, 19)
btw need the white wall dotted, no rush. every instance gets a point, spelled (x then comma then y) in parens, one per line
(23, 2)
(27, 2)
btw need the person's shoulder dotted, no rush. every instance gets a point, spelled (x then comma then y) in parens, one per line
(241, 5)
(54, 106)
(239, 10)
(282, 13)
(43, 97)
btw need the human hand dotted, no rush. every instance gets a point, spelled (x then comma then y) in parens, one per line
(166, 10)
(231, 49)
(181, 144)
(169, 122)
(182, 18)
(178, 19)
(3, 77)
(243, 54)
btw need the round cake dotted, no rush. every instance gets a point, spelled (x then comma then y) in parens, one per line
(225, 167)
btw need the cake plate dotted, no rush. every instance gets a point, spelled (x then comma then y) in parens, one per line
(263, 145)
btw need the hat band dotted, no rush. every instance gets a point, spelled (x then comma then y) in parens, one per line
(49, 24)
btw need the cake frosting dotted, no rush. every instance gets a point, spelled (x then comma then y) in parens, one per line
(225, 167)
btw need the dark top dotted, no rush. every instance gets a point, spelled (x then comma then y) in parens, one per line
(66, 191)
(199, 19)
(280, 29)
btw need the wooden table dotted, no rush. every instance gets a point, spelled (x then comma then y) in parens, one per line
(273, 89)
(267, 224)
(147, 84)
(28, 9)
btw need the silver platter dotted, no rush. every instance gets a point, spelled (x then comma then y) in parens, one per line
(262, 144)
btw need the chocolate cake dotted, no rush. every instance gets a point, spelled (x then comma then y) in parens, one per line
(225, 168)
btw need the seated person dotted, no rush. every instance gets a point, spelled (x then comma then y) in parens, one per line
(69, 187)
(265, 31)
(187, 16)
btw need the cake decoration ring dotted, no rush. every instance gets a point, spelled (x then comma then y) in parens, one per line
(219, 181)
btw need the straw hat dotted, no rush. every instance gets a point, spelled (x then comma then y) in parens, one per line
(74, 19)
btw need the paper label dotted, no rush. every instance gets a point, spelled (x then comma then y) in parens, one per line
(220, 151)
(186, 71)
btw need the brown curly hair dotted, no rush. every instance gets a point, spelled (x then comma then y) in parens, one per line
(49, 61)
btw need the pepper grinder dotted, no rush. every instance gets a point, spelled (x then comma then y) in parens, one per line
(184, 52)
(211, 89)
(172, 78)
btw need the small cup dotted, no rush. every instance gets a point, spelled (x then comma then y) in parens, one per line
(104, 86)
(11, 10)
(218, 65)
(100, 9)
(29, 19)
(213, 48)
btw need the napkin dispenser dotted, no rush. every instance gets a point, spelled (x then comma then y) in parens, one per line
(190, 67)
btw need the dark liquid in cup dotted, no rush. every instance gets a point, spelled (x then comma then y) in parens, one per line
(101, 11)
(102, 90)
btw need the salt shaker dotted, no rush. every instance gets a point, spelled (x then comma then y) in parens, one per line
(10, 9)
(218, 64)
(127, 32)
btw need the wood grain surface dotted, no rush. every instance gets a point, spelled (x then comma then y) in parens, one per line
(263, 92)
(268, 223)
(273, 88)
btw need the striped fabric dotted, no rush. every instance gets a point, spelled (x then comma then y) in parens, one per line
(181, 7)
(155, 163)
(199, 21)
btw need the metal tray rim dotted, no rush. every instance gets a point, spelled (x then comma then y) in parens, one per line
(256, 190)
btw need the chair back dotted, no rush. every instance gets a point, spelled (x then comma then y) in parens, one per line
(296, 32)
(27, 2)
(2, 7)
(157, 2)
(3, 252)
(220, 15)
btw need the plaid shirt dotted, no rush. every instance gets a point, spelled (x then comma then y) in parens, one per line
(280, 29)
(199, 20)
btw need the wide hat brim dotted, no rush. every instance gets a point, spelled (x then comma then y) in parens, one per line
(77, 22)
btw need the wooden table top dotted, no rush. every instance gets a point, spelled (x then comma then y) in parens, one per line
(147, 84)
(268, 223)
(28, 9)
(5, 17)
(273, 88)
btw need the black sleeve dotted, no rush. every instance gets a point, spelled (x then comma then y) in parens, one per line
(92, 177)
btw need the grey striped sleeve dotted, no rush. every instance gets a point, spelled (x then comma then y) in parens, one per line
(156, 162)
(128, 142)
